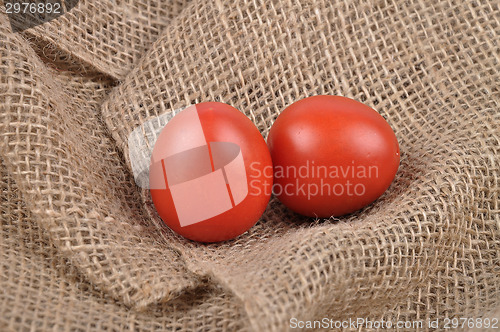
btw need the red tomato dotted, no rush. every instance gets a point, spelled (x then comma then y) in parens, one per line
(201, 169)
(332, 156)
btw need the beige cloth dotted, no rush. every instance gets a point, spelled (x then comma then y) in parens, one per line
(81, 247)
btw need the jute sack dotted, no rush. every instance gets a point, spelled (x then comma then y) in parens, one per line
(82, 246)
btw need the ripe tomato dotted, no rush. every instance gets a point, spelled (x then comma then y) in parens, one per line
(201, 168)
(331, 155)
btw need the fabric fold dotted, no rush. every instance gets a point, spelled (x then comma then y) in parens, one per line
(73, 182)
(106, 36)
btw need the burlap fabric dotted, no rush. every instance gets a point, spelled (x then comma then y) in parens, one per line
(81, 247)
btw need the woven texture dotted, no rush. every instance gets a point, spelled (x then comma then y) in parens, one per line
(81, 246)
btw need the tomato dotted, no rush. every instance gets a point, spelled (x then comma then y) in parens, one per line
(208, 175)
(331, 155)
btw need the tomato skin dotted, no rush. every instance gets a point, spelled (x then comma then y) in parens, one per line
(222, 123)
(344, 144)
